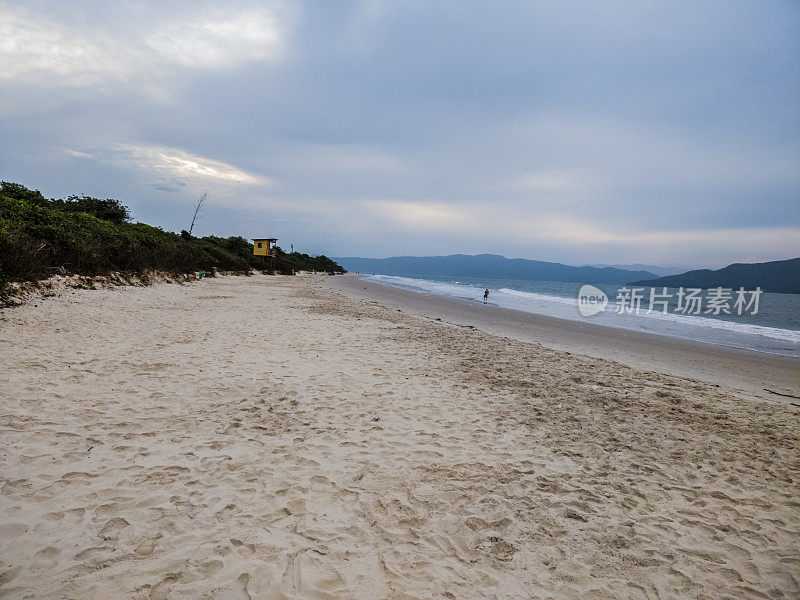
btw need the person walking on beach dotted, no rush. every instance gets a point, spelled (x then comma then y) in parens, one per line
(485, 295)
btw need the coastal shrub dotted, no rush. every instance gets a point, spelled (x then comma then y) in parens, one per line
(108, 209)
(91, 236)
(285, 263)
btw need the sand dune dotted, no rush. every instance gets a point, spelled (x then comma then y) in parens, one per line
(264, 438)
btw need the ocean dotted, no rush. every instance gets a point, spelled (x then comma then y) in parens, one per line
(775, 329)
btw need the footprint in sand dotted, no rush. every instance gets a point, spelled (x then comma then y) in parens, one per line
(46, 558)
(243, 548)
(147, 547)
(111, 529)
(311, 576)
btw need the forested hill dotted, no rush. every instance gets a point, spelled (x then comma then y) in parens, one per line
(489, 266)
(778, 276)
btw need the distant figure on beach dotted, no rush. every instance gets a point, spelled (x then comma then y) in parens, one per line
(485, 296)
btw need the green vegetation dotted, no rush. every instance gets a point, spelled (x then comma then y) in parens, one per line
(286, 263)
(91, 236)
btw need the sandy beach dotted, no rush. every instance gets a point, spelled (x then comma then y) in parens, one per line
(301, 437)
(746, 372)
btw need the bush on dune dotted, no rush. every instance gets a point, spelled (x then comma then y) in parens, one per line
(289, 263)
(286, 263)
(92, 236)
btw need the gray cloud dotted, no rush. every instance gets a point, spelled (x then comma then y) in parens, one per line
(615, 132)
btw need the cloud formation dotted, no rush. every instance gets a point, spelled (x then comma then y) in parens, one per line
(171, 163)
(138, 51)
(613, 132)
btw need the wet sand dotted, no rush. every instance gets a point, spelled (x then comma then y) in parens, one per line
(747, 372)
(264, 437)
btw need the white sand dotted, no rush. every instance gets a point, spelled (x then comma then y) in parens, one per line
(262, 438)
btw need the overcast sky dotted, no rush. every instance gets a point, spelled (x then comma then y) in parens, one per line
(581, 132)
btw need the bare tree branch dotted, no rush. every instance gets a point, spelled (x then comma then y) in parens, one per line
(197, 210)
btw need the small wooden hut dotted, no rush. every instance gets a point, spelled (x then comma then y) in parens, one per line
(266, 247)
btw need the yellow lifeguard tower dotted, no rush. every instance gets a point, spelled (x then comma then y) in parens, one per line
(266, 247)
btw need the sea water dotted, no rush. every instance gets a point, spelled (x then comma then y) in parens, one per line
(775, 329)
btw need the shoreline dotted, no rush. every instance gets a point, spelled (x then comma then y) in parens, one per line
(749, 371)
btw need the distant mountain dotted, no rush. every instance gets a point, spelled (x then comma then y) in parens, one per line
(660, 271)
(489, 266)
(779, 276)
